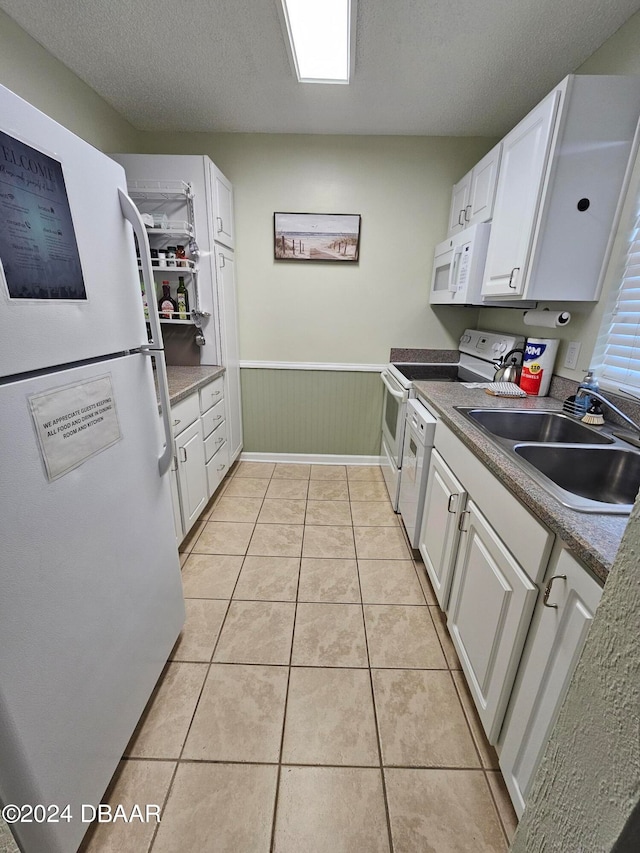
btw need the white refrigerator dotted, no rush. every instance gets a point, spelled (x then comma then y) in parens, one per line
(90, 592)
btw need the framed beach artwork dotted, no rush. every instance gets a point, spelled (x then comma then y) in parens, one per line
(316, 237)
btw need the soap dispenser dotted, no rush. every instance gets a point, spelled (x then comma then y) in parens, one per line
(589, 383)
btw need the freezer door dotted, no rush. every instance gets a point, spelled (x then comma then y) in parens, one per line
(69, 283)
(91, 601)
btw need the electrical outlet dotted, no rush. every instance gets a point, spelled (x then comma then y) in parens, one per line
(573, 353)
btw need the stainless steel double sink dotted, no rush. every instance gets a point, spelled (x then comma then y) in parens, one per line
(583, 467)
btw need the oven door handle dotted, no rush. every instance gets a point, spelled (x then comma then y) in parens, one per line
(399, 395)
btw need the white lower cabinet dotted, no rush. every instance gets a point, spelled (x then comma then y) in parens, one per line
(492, 600)
(519, 609)
(192, 476)
(558, 632)
(444, 503)
(200, 450)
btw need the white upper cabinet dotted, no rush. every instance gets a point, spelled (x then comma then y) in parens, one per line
(482, 192)
(473, 196)
(558, 187)
(524, 157)
(222, 214)
(459, 202)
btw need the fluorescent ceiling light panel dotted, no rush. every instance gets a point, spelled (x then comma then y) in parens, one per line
(321, 34)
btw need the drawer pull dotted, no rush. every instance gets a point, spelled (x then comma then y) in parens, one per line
(221, 467)
(219, 440)
(177, 421)
(218, 418)
(547, 591)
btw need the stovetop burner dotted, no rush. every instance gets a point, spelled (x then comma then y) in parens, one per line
(428, 372)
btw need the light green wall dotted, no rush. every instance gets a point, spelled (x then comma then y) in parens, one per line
(619, 55)
(328, 313)
(33, 73)
(324, 312)
(311, 411)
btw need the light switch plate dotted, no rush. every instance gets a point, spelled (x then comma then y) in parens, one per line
(573, 353)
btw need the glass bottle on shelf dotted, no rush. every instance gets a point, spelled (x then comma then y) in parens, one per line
(144, 299)
(166, 304)
(181, 256)
(182, 298)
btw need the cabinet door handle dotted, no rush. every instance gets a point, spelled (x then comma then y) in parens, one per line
(513, 271)
(461, 526)
(221, 260)
(183, 454)
(453, 500)
(547, 591)
(466, 218)
(461, 217)
(219, 221)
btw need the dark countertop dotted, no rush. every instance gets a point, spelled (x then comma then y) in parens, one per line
(185, 380)
(591, 537)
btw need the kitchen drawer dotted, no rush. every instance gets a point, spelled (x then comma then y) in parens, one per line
(213, 418)
(184, 413)
(211, 394)
(214, 442)
(217, 467)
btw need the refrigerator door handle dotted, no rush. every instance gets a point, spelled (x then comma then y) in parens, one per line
(130, 213)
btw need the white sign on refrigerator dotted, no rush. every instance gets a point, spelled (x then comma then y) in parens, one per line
(74, 423)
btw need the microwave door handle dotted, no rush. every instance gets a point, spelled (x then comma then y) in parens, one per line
(399, 395)
(131, 214)
(453, 270)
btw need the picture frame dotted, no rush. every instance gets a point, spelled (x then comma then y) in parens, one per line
(328, 237)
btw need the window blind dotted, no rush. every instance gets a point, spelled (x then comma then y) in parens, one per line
(619, 356)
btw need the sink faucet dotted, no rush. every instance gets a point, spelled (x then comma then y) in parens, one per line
(582, 392)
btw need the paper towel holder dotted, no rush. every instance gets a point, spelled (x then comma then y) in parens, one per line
(546, 318)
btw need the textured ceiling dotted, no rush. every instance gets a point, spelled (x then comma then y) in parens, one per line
(433, 67)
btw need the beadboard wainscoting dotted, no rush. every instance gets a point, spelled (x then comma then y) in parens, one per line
(312, 409)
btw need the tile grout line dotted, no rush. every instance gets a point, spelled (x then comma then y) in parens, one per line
(195, 709)
(291, 666)
(383, 780)
(286, 699)
(495, 805)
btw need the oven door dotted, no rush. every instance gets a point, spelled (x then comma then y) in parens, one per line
(394, 406)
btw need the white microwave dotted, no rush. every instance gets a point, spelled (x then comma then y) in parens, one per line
(458, 267)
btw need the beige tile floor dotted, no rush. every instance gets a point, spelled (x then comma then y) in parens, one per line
(314, 702)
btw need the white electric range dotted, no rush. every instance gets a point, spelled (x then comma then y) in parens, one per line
(479, 350)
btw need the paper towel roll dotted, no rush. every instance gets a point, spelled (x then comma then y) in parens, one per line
(547, 319)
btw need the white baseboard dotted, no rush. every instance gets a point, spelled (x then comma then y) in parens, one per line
(311, 458)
